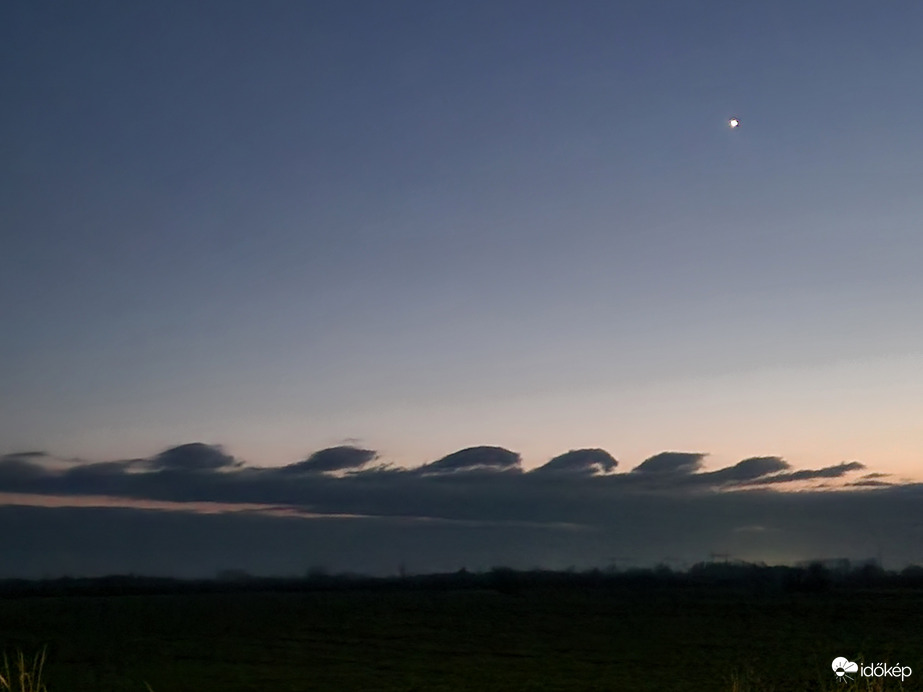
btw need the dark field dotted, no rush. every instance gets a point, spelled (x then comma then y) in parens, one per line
(557, 639)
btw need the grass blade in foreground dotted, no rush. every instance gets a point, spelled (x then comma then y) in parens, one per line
(24, 676)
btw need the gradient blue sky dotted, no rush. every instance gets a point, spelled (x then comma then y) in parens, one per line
(427, 225)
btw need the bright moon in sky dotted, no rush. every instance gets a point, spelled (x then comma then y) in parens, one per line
(733, 122)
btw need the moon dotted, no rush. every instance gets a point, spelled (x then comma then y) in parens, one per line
(733, 123)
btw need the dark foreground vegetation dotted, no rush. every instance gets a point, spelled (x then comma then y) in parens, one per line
(716, 627)
(811, 577)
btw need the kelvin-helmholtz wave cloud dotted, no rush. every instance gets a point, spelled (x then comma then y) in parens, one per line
(194, 509)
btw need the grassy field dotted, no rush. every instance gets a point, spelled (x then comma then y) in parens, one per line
(624, 639)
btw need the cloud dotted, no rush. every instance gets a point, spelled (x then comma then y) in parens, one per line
(475, 506)
(756, 467)
(24, 456)
(473, 484)
(474, 459)
(751, 529)
(99, 470)
(836, 471)
(748, 470)
(194, 456)
(671, 463)
(23, 465)
(744, 472)
(581, 461)
(333, 459)
(16, 469)
(640, 528)
(872, 480)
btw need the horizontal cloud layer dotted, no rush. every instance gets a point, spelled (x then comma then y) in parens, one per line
(474, 507)
(477, 483)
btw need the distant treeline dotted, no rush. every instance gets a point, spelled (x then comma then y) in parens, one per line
(810, 577)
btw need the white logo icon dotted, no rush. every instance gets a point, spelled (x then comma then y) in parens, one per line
(841, 666)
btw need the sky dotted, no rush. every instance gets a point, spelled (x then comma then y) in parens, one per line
(415, 228)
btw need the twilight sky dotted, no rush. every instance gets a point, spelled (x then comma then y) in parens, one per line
(420, 226)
